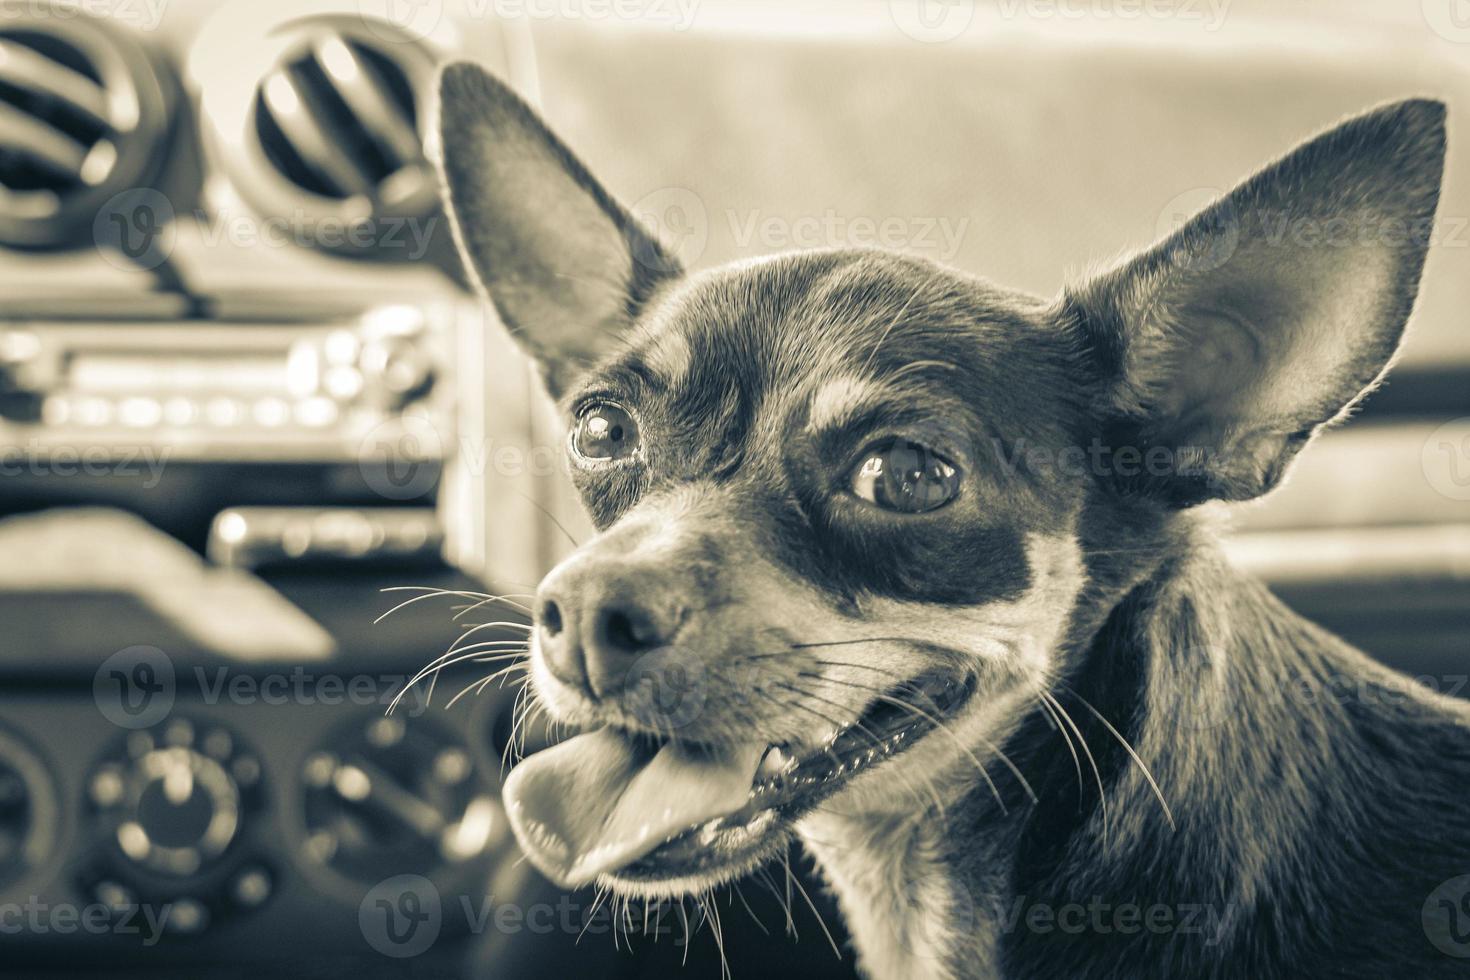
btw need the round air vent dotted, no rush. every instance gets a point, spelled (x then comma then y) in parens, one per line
(83, 115)
(329, 143)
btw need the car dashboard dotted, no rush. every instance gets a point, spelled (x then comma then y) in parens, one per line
(255, 478)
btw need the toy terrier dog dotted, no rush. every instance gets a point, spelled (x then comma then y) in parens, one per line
(929, 562)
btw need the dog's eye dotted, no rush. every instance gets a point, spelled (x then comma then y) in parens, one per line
(905, 477)
(604, 431)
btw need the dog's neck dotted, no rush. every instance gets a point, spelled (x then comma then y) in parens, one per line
(922, 891)
(1189, 661)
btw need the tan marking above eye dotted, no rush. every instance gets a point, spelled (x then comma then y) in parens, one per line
(670, 356)
(838, 400)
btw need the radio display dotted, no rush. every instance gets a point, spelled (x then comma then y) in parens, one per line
(233, 371)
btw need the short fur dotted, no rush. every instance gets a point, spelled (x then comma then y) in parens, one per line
(1221, 789)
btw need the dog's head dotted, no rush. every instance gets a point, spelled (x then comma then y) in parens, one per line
(839, 493)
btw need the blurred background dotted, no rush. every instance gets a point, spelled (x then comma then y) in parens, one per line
(244, 388)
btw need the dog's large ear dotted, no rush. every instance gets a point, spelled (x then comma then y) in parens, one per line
(565, 265)
(1225, 347)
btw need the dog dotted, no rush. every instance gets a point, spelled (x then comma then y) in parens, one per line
(923, 572)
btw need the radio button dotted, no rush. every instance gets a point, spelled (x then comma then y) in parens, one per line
(92, 411)
(140, 413)
(316, 413)
(251, 887)
(179, 411)
(107, 786)
(187, 915)
(223, 412)
(116, 897)
(341, 347)
(272, 412)
(55, 410)
(343, 382)
(396, 369)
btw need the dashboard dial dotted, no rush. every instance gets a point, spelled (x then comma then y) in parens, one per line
(28, 811)
(395, 797)
(172, 808)
(184, 810)
(173, 801)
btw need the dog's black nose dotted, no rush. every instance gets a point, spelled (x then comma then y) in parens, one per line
(592, 630)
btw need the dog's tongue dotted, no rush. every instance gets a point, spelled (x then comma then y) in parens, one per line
(599, 801)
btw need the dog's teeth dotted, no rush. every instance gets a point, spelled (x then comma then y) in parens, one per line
(775, 762)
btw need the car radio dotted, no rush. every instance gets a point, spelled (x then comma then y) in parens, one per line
(322, 388)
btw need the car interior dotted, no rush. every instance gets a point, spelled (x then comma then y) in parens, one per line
(267, 454)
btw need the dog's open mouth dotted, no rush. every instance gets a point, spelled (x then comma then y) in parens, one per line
(612, 804)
